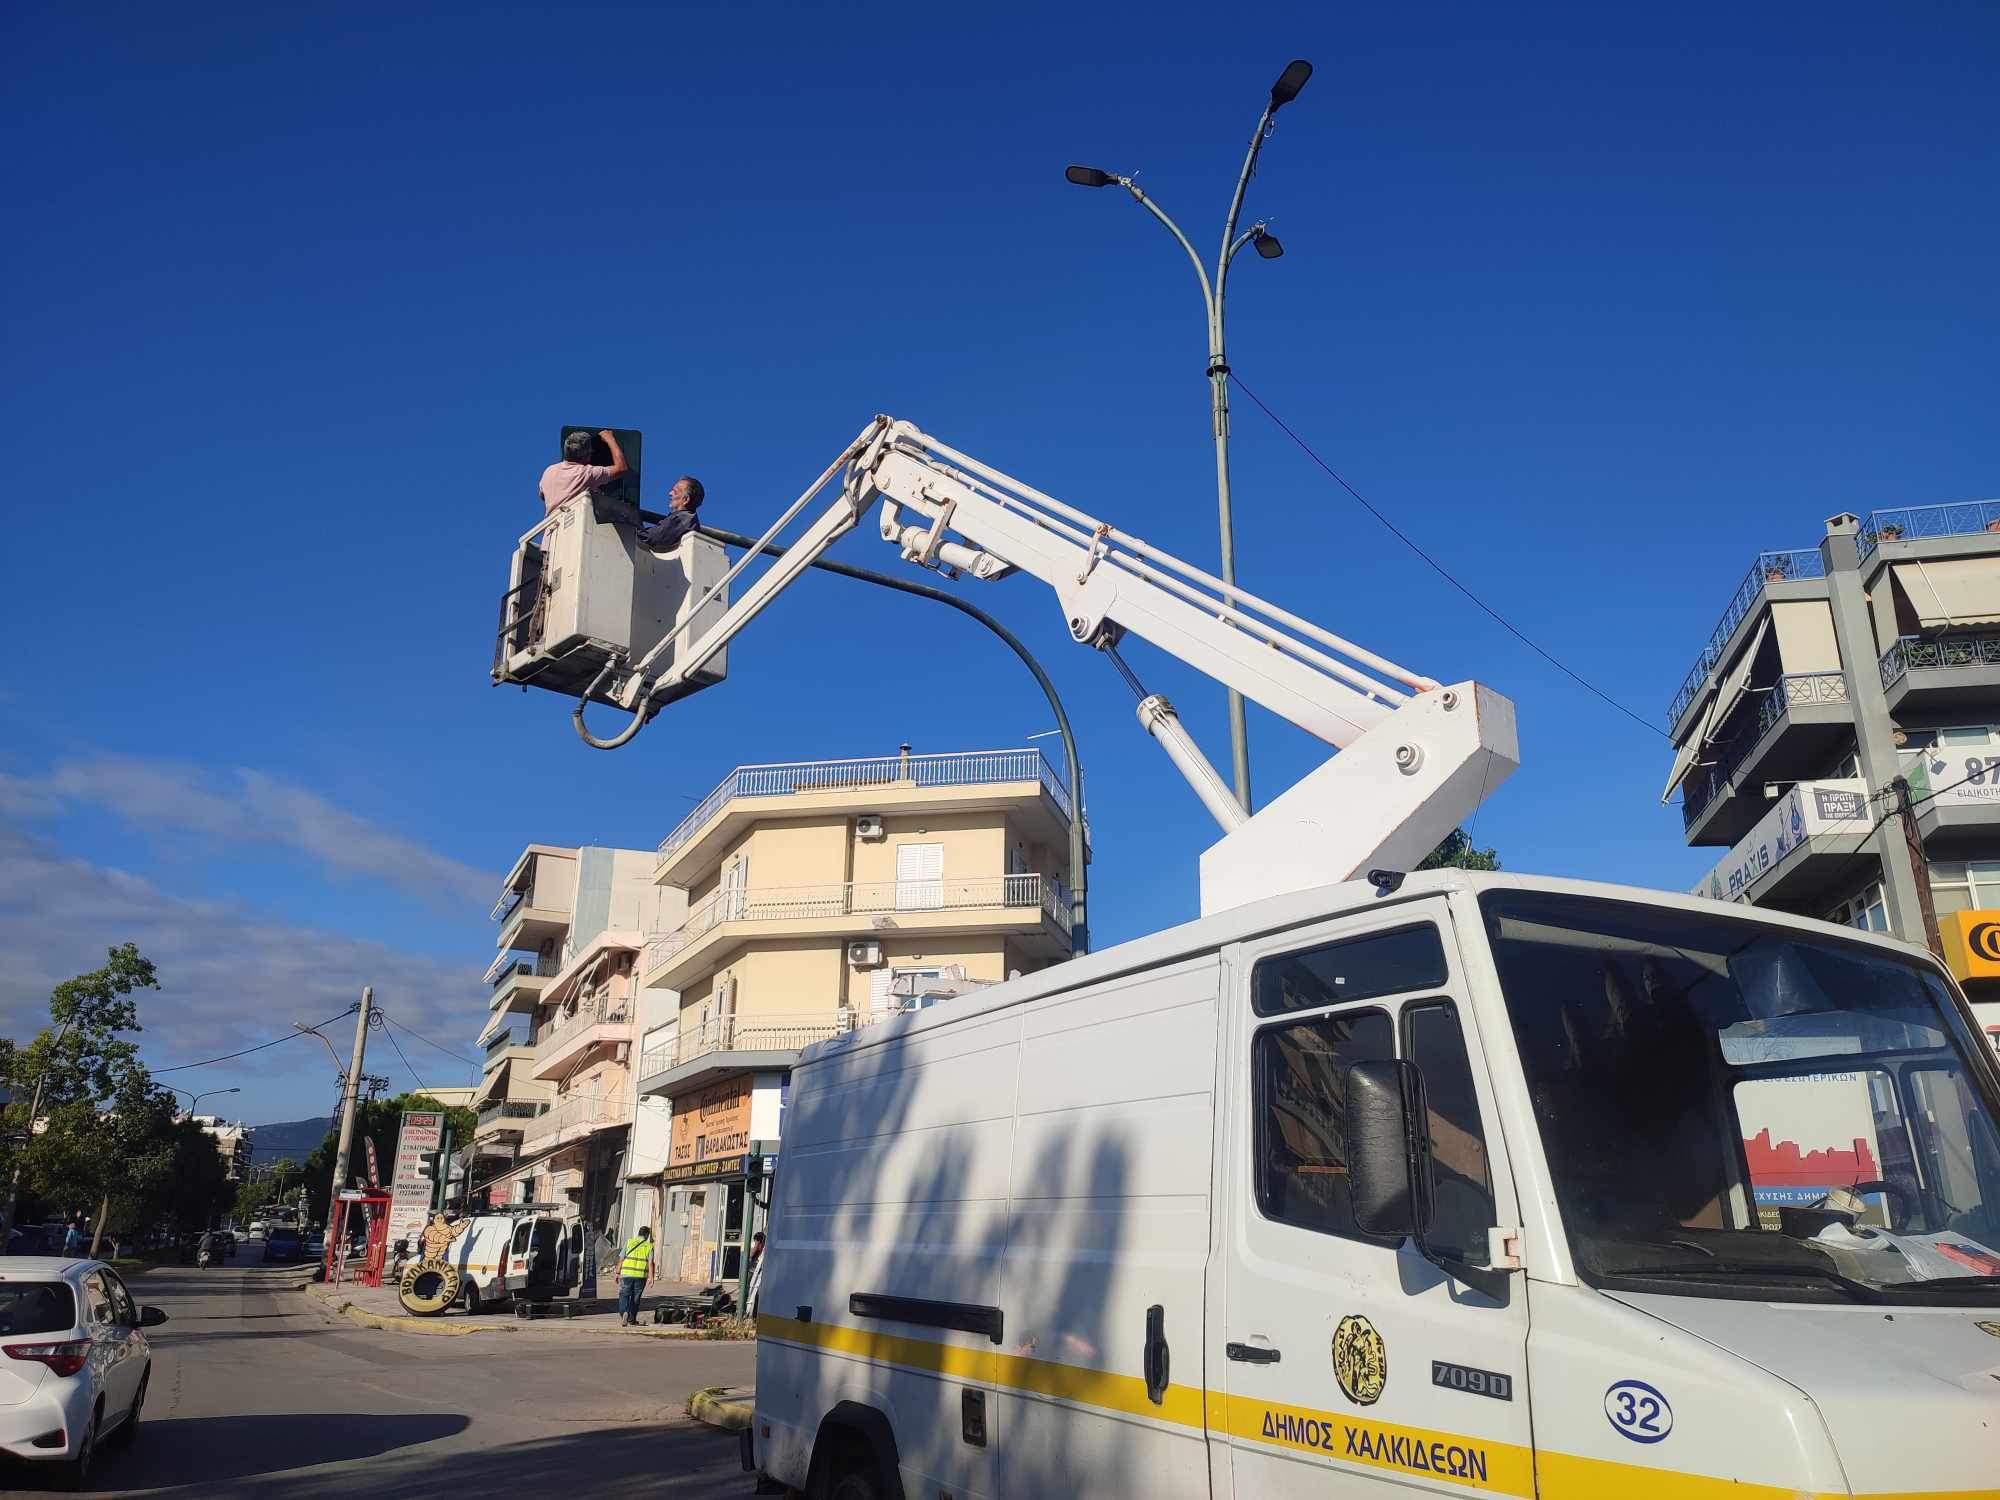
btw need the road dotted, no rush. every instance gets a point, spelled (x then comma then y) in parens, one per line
(258, 1390)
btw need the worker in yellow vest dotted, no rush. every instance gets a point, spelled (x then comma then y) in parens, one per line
(633, 1269)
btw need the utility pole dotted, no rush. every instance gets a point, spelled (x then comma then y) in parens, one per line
(1913, 841)
(350, 1096)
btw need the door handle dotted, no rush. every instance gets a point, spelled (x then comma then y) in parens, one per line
(1156, 1359)
(1251, 1354)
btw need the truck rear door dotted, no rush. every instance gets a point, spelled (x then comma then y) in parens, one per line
(1352, 1364)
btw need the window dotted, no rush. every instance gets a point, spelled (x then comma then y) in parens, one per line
(1363, 968)
(1300, 1072)
(96, 1300)
(1433, 1041)
(1961, 885)
(521, 1233)
(36, 1307)
(1865, 909)
(919, 877)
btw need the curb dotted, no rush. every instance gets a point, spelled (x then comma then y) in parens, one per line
(435, 1327)
(719, 1407)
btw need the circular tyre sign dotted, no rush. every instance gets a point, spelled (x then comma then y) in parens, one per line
(428, 1288)
(1638, 1411)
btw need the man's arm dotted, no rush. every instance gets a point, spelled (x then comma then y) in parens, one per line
(618, 464)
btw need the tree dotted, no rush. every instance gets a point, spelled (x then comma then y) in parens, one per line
(1457, 853)
(380, 1121)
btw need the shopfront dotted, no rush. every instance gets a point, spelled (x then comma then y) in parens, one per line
(716, 1187)
(1972, 952)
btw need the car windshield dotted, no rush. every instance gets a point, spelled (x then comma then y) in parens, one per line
(36, 1307)
(1737, 1109)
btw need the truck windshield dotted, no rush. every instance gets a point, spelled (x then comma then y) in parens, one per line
(1736, 1109)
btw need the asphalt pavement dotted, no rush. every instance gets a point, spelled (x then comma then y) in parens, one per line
(259, 1390)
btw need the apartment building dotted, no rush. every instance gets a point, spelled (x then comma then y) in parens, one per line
(555, 1099)
(232, 1142)
(820, 896)
(1833, 671)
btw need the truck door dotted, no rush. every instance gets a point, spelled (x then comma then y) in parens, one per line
(1353, 1365)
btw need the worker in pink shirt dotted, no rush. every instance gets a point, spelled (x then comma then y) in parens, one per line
(574, 476)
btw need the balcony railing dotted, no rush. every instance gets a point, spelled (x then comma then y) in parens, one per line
(505, 1037)
(974, 768)
(1769, 568)
(509, 903)
(597, 1010)
(575, 1116)
(1914, 654)
(773, 1031)
(797, 903)
(510, 1110)
(1787, 693)
(1912, 523)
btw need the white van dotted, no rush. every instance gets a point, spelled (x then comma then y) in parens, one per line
(1469, 1184)
(507, 1255)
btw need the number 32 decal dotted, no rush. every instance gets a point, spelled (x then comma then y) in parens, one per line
(1638, 1411)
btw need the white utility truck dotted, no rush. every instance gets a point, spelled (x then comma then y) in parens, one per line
(1364, 1183)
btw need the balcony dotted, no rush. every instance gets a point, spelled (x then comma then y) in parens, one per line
(1032, 907)
(526, 926)
(1940, 672)
(859, 786)
(727, 1044)
(572, 1119)
(518, 982)
(600, 1020)
(1769, 571)
(1804, 719)
(1918, 523)
(514, 1110)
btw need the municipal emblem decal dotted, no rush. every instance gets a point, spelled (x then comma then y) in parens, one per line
(1360, 1360)
(1992, 1328)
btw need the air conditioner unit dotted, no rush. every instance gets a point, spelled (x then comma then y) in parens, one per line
(866, 954)
(869, 827)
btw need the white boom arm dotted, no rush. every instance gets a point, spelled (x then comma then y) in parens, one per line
(1416, 757)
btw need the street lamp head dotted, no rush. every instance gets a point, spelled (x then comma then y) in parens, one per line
(1290, 82)
(1267, 244)
(1089, 177)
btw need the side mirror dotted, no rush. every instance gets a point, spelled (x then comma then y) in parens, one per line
(151, 1317)
(1388, 1159)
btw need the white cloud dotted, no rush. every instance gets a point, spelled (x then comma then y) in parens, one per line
(229, 979)
(246, 807)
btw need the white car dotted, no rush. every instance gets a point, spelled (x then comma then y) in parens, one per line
(74, 1361)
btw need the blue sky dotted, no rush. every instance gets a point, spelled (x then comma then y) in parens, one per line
(1596, 303)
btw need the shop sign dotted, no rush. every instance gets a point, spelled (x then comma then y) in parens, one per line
(711, 1124)
(1971, 943)
(1809, 808)
(708, 1171)
(410, 1195)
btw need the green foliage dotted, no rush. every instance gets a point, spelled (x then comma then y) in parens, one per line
(1457, 853)
(108, 1134)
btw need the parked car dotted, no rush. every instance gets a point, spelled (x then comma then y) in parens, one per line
(284, 1246)
(33, 1239)
(76, 1363)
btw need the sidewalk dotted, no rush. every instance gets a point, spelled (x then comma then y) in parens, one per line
(379, 1307)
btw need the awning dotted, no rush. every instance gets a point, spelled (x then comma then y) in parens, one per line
(1738, 679)
(1955, 591)
(1684, 757)
(494, 1085)
(1805, 636)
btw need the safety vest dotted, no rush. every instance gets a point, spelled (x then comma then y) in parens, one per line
(638, 1252)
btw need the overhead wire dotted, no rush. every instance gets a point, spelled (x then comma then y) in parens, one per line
(1445, 573)
(232, 1056)
(434, 1046)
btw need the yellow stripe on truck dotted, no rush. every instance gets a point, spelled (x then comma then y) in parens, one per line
(1351, 1442)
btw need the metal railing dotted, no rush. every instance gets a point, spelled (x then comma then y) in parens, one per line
(1915, 654)
(796, 903)
(1793, 689)
(596, 1010)
(1769, 568)
(508, 904)
(770, 1031)
(1912, 523)
(507, 1036)
(888, 772)
(582, 1113)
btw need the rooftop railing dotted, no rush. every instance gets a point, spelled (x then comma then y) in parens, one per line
(795, 903)
(1914, 654)
(888, 772)
(1915, 523)
(1769, 568)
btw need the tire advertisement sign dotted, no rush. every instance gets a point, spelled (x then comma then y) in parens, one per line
(410, 1194)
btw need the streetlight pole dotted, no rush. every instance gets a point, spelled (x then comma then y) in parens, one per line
(194, 1100)
(1286, 89)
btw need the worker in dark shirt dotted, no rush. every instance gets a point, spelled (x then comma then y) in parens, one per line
(683, 500)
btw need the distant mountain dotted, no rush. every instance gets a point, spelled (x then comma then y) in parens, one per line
(288, 1140)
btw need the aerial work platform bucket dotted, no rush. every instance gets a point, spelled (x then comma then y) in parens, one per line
(582, 592)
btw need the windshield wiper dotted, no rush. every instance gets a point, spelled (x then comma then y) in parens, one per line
(1712, 1270)
(1948, 1284)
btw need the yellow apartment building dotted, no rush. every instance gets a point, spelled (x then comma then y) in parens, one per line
(821, 896)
